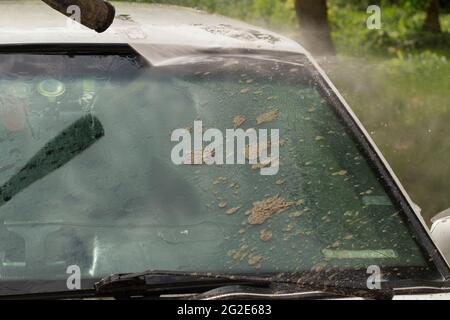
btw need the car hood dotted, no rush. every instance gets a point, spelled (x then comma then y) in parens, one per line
(31, 21)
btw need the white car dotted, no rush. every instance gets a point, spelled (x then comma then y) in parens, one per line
(96, 178)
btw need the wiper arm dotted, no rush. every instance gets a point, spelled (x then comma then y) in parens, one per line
(275, 293)
(68, 144)
(165, 282)
(210, 285)
(207, 286)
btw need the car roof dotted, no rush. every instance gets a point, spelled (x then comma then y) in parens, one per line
(33, 22)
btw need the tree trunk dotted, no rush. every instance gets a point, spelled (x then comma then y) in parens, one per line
(432, 23)
(315, 32)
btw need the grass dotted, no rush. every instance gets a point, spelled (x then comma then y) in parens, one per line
(397, 80)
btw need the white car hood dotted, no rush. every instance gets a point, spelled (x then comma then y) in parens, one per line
(33, 22)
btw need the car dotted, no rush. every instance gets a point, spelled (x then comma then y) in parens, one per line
(187, 155)
(440, 231)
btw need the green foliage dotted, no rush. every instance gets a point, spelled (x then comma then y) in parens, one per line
(433, 68)
(401, 32)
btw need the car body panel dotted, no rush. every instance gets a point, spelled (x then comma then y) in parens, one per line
(440, 231)
(137, 23)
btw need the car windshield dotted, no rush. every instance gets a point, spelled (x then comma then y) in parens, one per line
(95, 172)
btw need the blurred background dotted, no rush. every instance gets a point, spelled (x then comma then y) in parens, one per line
(395, 77)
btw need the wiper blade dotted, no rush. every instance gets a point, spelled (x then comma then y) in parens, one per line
(205, 285)
(161, 282)
(68, 144)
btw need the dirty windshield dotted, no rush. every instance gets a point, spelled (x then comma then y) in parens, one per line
(216, 164)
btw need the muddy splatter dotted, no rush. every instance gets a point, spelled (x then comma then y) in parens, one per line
(239, 254)
(233, 210)
(239, 120)
(265, 235)
(251, 150)
(267, 117)
(198, 157)
(339, 173)
(319, 267)
(255, 261)
(261, 165)
(222, 204)
(265, 209)
(220, 180)
(295, 214)
(240, 33)
(195, 157)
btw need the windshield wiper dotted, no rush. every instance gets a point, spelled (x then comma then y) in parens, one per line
(209, 285)
(169, 282)
(68, 144)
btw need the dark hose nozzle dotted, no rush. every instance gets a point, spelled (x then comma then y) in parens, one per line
(95, 14)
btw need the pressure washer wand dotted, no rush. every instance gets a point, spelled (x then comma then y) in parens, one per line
(94, 14)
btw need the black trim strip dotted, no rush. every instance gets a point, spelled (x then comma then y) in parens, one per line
(68, 49)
